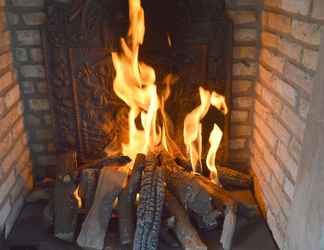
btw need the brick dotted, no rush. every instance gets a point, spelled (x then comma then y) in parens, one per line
(21, 54)
(290, 49)
(269, 39)
(6, 186)
(309, 33)
(6, 80)
(28, 87)
(38, 148)
(271, 100)
(261, 110)
(5, 60)
(32, 71)
(283, 200)
(239, 116)
(272, 59)
(288, 161)
(243, 17)
(33, 121)
(258, 139)
(286, 91)
(245, 69)
(245, 53)
(42, 87)
(303, 108)
(289, 188)
(5, 40)
(10, 118)
(293, 122)
(267, 134)
(275, 167)
(299, 77)
(46, 160)
(3, 20)
(13, 18)
(28, 37)
(277, 22)
(12, 96)
(243, 102)
(310, 58)
(15, 211)
(296, 6)
(4, 213)
(28, 3)
(245, 35)
(36, 55)
(272, 3)
(16, 151)
(318, 9)
(240, 156)
(37, 104)
(49, 119)
(237, 144)
(34, 18)
(240, 131)
(241, 86)
(51, 148)
(295, 149)
(24, 161)
(44, 134)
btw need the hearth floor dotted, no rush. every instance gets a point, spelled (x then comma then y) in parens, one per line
(30, 230)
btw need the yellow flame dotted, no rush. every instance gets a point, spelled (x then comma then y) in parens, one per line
(77, 197)
(215, 139)
(192, 131)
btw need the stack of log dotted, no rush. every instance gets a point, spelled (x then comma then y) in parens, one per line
(152, 196)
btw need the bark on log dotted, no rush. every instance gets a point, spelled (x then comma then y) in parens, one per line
(104, 162)
(127, 204)
(93, 231)
(183, 229)
(150, 208)
(65, 215)
(231, 178)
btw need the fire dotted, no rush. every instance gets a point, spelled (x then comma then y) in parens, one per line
(192, 132)
(77, 197)
(214, 140)
(135, 85)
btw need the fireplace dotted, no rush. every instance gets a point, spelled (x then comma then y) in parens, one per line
(231, 111)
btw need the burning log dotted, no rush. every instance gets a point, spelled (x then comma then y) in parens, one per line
(104, 162)
(65, 215)
(201, 196)
(127, 206)
(93, 231)
(185, 232)
(149, 211)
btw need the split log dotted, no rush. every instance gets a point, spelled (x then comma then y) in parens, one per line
(88, 185)
(93, 230)
(65, 215)
(127, 204)
(183, 229)
(105, 162)
(198, 194)
(231, 178)
(150, 208)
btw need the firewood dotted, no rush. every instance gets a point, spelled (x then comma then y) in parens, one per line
(185, 232)
(231, 178)
(93, 230)
(104, 162)
(88, 185)
(150, 208)
(65, 215)
(127, 204)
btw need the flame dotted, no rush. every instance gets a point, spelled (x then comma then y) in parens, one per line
(214, 140)
(77, 197)
(192, 131)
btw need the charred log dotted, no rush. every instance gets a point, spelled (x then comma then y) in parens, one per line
(231, 178)
(185, 232)
(127, 204)
(149, 211)
(88, 185)
(104, 162)
(65, 215)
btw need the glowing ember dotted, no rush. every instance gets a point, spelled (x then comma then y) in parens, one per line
(77, 197)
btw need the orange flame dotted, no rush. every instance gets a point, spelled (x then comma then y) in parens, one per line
(77, 197)
(214, 140)
(192, 131)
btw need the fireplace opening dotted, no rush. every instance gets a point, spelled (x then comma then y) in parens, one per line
(159, 125)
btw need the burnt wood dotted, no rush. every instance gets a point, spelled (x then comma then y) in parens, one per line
(149, 211)
(127, 204)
